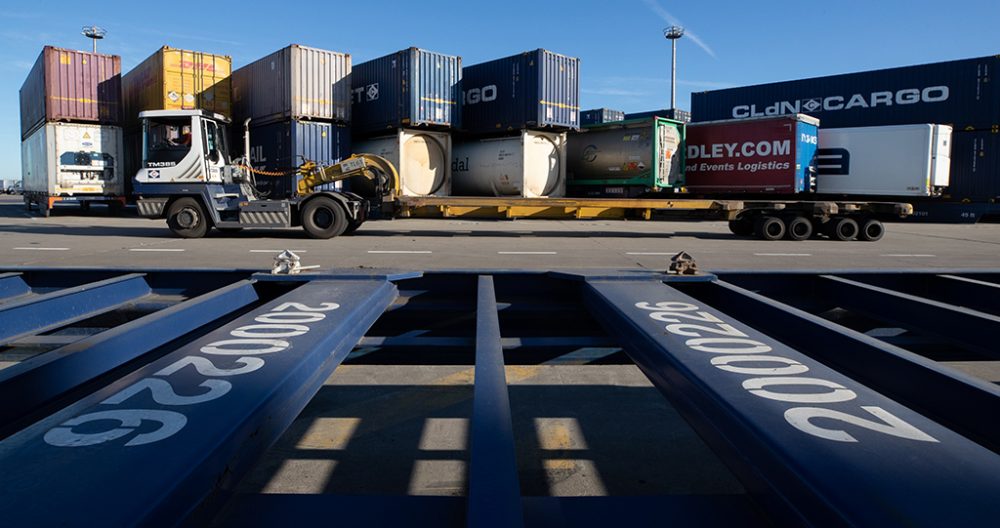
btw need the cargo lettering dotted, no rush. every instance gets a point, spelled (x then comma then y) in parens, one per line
(479, 95)
(460, 165)
(735, 150)
(907, 96)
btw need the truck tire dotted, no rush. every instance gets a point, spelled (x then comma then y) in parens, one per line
(323, 217)
(741, 226)
(187, 218)
(352, 227)
(770, 228)
(800, 228)
(843, 229)
(871, 230)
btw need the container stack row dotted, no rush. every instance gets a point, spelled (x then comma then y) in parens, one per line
(298, 103)
(71, 135)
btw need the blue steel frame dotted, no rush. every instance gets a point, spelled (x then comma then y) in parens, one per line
(191, 395)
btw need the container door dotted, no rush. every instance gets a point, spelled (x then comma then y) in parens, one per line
(668, 155)
(941, 156)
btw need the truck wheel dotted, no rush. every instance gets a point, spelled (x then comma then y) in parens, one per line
(45, 209)
(800, 228)
(770, 228)
(842, 229)
(187, 218)
(741, 226)
(352, 227)
(871, 230)
(324, 218)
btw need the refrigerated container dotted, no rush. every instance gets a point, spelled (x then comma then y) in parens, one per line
(536, 90)
(762, 155)
(422, 157)
(284, 145)
(962, 93)
(975, 166)
(900, 160)
(175, 79)
(531, 164)
(626, 158)
(600, 116)
(73, 159)
(73, 86)
(408, 88)
(295, 82)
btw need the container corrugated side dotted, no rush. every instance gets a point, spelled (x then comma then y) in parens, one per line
(70, 85)
(599, 116)
(670, 113)
(409, 88)
(284, 145)
(975, 166)
(295, 82)
(962, 93)
(175, 79)
(70, 159)
(536, 90)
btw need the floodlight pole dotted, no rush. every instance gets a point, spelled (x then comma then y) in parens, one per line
(94, 33)
(673, 34)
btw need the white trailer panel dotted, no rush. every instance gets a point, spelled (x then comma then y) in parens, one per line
(900, 160)
(71, 159)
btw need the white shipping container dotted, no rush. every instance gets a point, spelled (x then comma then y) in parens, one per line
(530, 165)
(900, 160)
(422, 157)
(71, 159)
(295, 82)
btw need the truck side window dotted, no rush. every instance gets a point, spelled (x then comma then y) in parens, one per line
(166, 142)
(212, 139)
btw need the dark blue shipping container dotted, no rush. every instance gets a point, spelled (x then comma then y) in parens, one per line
(673, 113)
(599, 116)
(284, 145)
(975, 165)
(409, 88)
(535, 90)
(961, 93)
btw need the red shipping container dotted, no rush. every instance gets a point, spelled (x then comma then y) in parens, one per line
(768, 155)
(74, 86)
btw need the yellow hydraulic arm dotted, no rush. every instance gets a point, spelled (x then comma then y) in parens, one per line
(375, 168)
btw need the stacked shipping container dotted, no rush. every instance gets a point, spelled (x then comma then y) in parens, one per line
(403, 106)
(71, 114)
(298, 100)
(599, 116)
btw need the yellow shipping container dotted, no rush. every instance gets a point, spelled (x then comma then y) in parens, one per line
(174, 79)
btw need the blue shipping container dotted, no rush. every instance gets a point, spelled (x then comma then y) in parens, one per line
(975, 165)
(409, 88)
(961, 93)
(599, 116)
(535, 89)
(284, 145)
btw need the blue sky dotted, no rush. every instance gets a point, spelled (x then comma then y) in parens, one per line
(625, 60)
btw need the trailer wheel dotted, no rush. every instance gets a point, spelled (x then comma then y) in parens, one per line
(323, 217)
(871, 230)
(800, 228)
(187, 219)
(842, 229)
(741, 226)
(45, 209)
(770, 228)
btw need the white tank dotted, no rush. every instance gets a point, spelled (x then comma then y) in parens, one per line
(531, 165)
(422, 158)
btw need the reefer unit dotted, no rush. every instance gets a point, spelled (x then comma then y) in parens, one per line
(422, 157)
(174, 79)
(535, 89)
(70, 159)
(900, 160)
(284, 145)
(975, 166)
(763, 155)
(671, 113)
(531, 165)
(69, 85)
(409, 88)
(295, 82)
(645, 155)
(599, 116)
(963, 93)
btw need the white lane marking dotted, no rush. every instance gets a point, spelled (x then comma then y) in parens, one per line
(41, 249)
(783, 254)
(277, 250)
(527, 253)
(157, 250)
(649, 253)
(399, 252)
(907, 255)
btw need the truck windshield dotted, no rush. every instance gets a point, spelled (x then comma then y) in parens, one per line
(166, 142)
